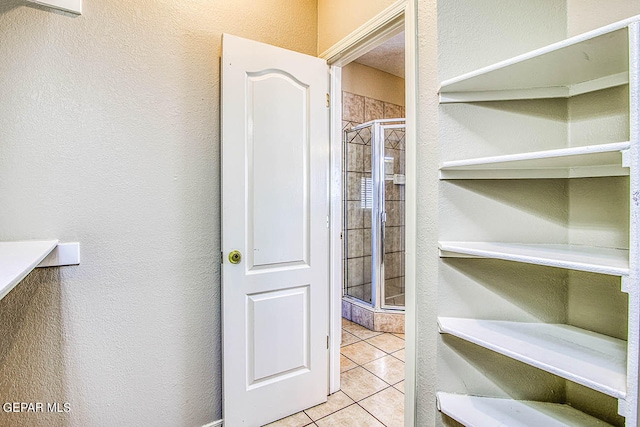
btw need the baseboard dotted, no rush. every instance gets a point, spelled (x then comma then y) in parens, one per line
(214, 424)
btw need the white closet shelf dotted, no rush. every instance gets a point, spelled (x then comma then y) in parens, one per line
(609, 261)
(584, 357)
(585, 63)
(573, 162)
(474, 411)
(17, 259)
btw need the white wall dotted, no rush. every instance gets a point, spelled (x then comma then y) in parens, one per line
(109, 135)
(586, 15)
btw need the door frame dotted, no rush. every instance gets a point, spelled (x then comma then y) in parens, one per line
(380, 28)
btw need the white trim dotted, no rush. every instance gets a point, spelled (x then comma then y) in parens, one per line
(335, 242)
(214, 424)
(411, 204)
(374, 32)
(632, 409)
(401, 14)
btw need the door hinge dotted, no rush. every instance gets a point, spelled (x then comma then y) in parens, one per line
(327, 221)
(340, 235)
(221, 257)
(327, 342)
(328, 100)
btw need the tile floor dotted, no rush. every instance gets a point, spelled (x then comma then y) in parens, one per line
(371, 384)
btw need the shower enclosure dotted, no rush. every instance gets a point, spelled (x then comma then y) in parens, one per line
(374, 166)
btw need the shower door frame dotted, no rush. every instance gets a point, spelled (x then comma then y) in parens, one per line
(380, 301)
(378, 209)
(401, 14)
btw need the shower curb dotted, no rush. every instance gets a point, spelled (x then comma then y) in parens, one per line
(372, 319)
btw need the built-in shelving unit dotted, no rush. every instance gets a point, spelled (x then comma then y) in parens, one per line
(582, 258)
(607, 366)
(17, 259)
(593, 360)
(474, 411)
(574, 162)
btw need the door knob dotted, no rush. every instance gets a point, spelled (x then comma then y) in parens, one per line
(235, 257)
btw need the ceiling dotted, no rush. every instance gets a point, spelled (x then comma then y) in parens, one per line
(388, 57)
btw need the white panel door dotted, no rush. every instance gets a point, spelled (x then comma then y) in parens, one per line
(275, 207)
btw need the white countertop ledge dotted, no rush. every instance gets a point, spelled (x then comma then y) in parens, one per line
(17, 259)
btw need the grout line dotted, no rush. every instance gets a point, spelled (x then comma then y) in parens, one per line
(381, 379)
(380, 421)
(395, 357)
(358, 365)
(353, 402)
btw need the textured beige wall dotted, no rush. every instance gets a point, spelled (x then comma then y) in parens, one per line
(372, 83)
(109, 136)
(427, 220)
(338, 18)
(586, 15)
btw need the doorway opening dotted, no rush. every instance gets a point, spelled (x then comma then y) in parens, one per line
(372, 171)
(373, 180)
(385, 46)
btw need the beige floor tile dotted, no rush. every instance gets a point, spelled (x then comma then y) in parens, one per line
(346, 322)
(334, 403)
(359, 331)
(348, 338)
(399, 335)
(296, 420)
(346, 363)
(351, 416)
(387, 406)
(387, 342)
(388, 368)
(399, 354)
(399, 386)
(362, 352)
(359, 383)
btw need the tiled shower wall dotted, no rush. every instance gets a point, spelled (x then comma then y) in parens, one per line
(357, 255)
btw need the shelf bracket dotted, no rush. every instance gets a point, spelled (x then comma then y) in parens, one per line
(73, 6)
(626, 158)
(622, 407)
(61, 255)
(624, 284)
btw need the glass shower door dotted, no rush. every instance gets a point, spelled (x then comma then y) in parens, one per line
(357, 262)
(373, 165)
(392, 287)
